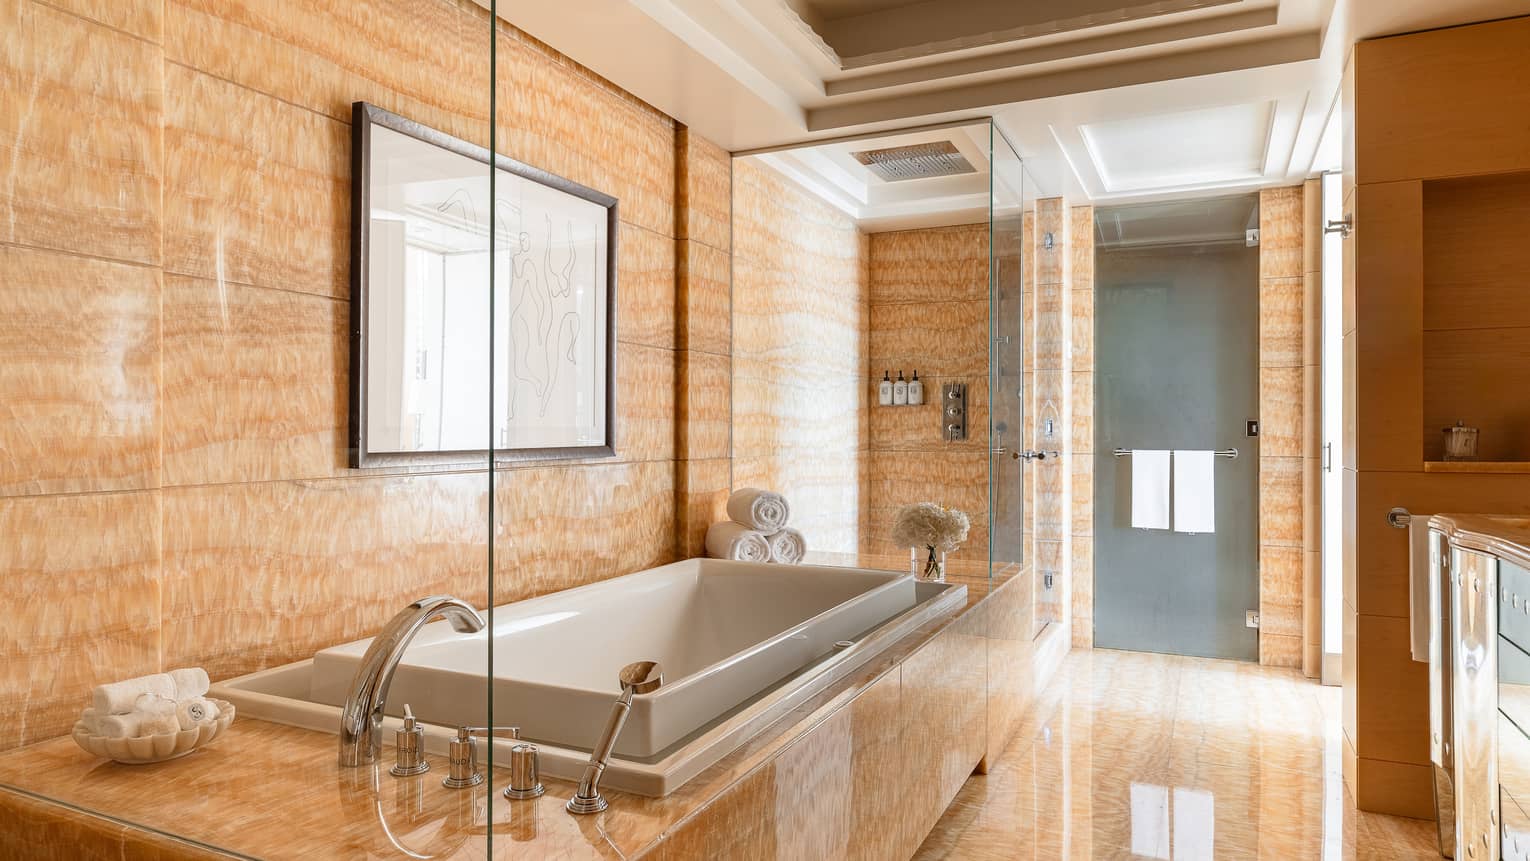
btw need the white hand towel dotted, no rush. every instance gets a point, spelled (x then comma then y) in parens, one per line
(158, 724)
(92, 721)
(761, 510)
(119, 726)
(1195, 482)
(787, 546)
(190, 683)
(156, 715)
(729, 540)
(195, 712)
(1150, 489)
(121, 697)
(1419, 572)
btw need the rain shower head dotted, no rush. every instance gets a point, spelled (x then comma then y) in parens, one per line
(915, 161)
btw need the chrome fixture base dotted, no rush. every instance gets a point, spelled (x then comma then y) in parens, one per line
(398, 771)
(523, 794)
(472, 779)
(584, 806)
(641, 677)
(361, 719)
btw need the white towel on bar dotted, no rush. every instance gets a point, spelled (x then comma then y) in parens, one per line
(1419, 571)
(1195, 481)
(764, 510)
(729, 540)
(1150, 489)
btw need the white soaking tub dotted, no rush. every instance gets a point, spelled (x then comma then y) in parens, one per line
(740, 643)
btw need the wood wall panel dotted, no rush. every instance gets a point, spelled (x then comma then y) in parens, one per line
(1442, 103)
(1425, 106)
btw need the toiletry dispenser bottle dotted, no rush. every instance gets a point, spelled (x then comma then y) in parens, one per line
(915, 390)
(900, 391)
(884, 390)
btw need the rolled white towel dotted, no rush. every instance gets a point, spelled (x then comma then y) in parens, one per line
(92, 720)
(120, 726)
(787, 546)
(190, 683)
(156, 715)
(158, 724)
(729, 540)
(762, 510)
(195, 712)
(122, 697)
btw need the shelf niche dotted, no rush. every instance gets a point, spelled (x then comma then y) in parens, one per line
(1476, 350)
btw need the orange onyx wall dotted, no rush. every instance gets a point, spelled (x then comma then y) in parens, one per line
(174, 263)
(800, 317)
(929, 312)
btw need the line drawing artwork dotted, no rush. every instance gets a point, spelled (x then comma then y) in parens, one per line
(483, 302)
(538, 297)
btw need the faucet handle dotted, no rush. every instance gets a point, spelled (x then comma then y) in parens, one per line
(466, 732)
(409, 747)
(462, 753)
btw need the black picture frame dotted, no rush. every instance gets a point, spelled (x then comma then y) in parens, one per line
(364, 116)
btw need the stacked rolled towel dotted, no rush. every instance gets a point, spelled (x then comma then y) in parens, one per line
(151, 705)
(756, 530)
(761, 510)
(729, 540)
(787, 546)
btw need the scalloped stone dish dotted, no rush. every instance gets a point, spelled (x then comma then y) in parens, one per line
(155, 748)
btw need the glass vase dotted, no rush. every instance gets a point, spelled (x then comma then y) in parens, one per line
(927, 563)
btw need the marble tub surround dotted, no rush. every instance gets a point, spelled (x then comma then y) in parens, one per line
(1130, 755)
(913, 723)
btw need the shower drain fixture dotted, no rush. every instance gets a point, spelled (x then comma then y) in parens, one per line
(915, 161)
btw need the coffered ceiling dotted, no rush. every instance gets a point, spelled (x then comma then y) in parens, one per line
(1105, 99)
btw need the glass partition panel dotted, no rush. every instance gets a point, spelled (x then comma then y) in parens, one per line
(269, 439)
(1006, 366)
(861, 338)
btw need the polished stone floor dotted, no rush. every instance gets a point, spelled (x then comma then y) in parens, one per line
(1134, 755)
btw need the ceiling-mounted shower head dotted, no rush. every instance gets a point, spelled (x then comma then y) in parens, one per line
(915, 161)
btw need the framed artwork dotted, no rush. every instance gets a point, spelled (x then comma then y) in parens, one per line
(446, 368)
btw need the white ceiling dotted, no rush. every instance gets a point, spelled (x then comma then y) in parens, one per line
(1106, 100)
(831, 171)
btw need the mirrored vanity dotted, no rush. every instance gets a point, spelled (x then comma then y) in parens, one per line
(1480, 684)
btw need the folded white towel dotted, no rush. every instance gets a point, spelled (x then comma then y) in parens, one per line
(761, 510)
(122, 697)
(729, 540)
(787, 546)
(1195, 481)
(195, 712)
(1150, 489)
(190, 683)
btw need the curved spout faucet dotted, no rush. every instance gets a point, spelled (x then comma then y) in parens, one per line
(642, 677)
(361, 720)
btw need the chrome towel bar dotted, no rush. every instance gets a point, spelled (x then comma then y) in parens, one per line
(1230, 453)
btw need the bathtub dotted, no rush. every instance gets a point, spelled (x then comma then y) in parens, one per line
(741, 644)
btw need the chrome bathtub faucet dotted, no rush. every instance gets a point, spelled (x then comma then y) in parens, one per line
(361, 719)
(643, 677)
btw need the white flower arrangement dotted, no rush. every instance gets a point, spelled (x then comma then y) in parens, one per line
(935, 527)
